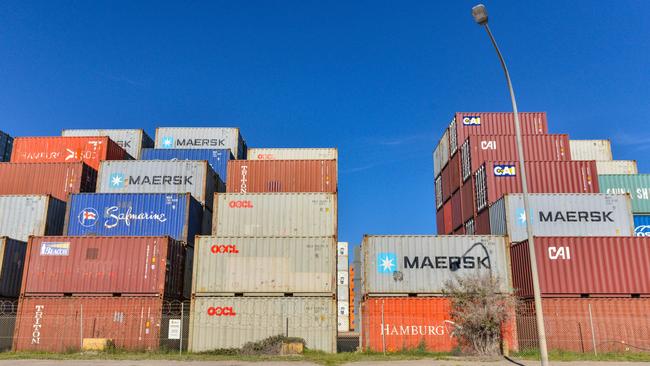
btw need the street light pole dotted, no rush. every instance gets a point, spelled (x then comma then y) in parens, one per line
(480, 16)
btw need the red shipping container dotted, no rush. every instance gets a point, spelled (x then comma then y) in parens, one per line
(440, 222)
(403, 323)
(460, 230)
(58, 324)
(600, 266)
(618, 323)
(454, 173)
(56, 179)
(249, 176)
(456, 211)
(445, 179)
(482, 223)
(90, 150)
(91, 265)
(467, 198)
(447, 213)
(494, 179)
(467, 124)
(476, 150)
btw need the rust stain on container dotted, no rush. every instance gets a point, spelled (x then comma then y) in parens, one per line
(249, 176)
(56, 179)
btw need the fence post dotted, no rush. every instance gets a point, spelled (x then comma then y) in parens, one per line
(593, 331)
(383, 334)
(180, 344)
(81, 327)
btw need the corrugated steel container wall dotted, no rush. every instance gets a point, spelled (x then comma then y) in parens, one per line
(638, 186)
(56, 179)
(421, 264)
(342, 262)
(155, 176)
(134, 214)
(90, 150)
(563, 214)
(441, 154)
(343, 286)
(201, 138)
(460, 230)
(437, 184)
(446, 214)
(497, 123)
(504, 148)
(617, 323)
(131, 140)
(6, 143)
(604, 266)
(230, 322)
(252, 176)
(22, 216)
(591, 149)
(642, 225)
(217, 158)
(446, 183)
(482, 223)
(133, 323)
(543, 177)
(440, 222)
(454, 173)
(467, 200)
(343, 324)
(293, 154)
(275, 214)
(12, 261)
(263, 265)
(58, 265)
(456, 211)
(469, 227)
(342, 248)
(617, 167)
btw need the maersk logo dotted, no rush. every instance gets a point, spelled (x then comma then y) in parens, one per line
(576, 216)
(119, 180)
(471, 120)
(386, 262)
(167, 142)
(116, 180)
(521, 216)
(55, 248)
(504, 170)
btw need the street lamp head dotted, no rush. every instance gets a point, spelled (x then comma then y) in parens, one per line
(479, 12)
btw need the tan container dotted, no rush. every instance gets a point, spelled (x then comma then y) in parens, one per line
(617, 167)
(590, 149)
(292, 154)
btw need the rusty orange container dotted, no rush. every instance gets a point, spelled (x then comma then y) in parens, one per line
(90, 150)
(251, 176)
(56, 179)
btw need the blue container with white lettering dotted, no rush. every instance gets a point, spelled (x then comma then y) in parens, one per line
(177, 215)
(217, 158)
(642, 225)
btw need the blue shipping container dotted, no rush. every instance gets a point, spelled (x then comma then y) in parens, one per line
(12, 260)
(218, 158)
(134, 214)
(6, 143)
(642, 225)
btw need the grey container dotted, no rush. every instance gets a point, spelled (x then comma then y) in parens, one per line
(441, 154)
(342, 285)
(414, 264)
(563, 214)
(342, 263)
(590, 149)
(356, 280)
(131, 140)
(292, 154)
(22, 216)
(617, 167)
(250, 319)
(275, 214)
(229, 265)
(201, 138)
(160, 176)
(12, 261)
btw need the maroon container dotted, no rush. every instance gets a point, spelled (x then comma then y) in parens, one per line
(446, 188)
(575, 266)
(494, 179)
(460, 230)
(482, 223)
(454, 173)
(467, 198)
(56, 179)
(91, 265)
(249, 176)
(440, 222)
(456, 211)
(447, 213)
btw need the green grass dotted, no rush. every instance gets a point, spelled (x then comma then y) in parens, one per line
(588, 356)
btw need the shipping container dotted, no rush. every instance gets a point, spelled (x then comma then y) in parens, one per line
(90, 150)
(447, 214)
(131, 140)
(343, 324)
(393, 324)
(292, 154)
(201, 138)
(6, 143)
(619, 324)
(579, 266)
(638, 186)
(342, 262)
(438, 188)
(482, 223)
(441, 154)
(590, 149)
(217, 158)
(454, 173)
(459, 231)
(56, 179)
(342, 248)
(59, 324)
(467, 199)
(12, 261)
(8, 311)
(230, 265)
(343, 308)
(456, 211)
(275, 214)
(414, 264)
(617, 167)
(231, 322)
(494, 179)
(343, 285)
(563, 214)
(134, 214)
(22, 216)
(92, 265)
(470, 227)
(478, 149)
(153, 176)
(642, 225)
(440, 223)
(253, 176)
(356, 294)
(446, 183)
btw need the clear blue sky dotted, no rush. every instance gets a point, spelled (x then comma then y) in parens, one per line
(379, 80)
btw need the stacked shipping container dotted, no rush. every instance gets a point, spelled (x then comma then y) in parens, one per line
(343, 287)
(6, 143)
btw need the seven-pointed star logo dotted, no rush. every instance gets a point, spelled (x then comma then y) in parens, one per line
(386, 262)
(167, 142)
(520, 216)
(116, 180)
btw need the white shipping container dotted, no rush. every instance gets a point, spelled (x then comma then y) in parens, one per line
(292, 154)
(563, 214)
(343, 308)
(342, 248)
(590, 149)
(418, 264)
(160, 176)
(356, 301)
(263, 265)
(131, 140)
(441, 154)
(616, 167)
(201, 138)
(343, 324)
(342, 278)
(342, 263)
(275, 214)
(230, 322)
(342, 285)
(22, 216)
